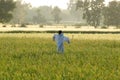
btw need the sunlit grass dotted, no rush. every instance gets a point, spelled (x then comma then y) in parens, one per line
(34, 57)
(71, 36)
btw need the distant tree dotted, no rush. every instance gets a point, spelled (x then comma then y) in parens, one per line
(6, 7)
(76, 14)
(20, 12)
(112, 14)
(35, 12)
(92, 10)
(46, 12)
(38, 18)
(56, 14)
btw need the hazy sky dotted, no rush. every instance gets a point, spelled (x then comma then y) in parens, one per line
(60, 3)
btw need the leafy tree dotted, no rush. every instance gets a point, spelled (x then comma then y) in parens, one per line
(6, 7)
(39, 18)
(20, 12)
(76, 14)
(112, 13)
(42, 12)
(46, 12)
(92, 10)
(56, 14)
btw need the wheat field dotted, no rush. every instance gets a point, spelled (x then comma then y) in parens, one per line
(33, 56)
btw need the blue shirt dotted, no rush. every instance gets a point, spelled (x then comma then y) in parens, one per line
(60, 39)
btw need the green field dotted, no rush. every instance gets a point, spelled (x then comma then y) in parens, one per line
(34, 57)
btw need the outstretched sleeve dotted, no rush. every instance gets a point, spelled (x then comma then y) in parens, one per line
(54, 37)
(66, 39)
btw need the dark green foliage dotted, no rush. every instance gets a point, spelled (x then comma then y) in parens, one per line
(6, 7)
(104, 27)
(23, 25)
(112, 14)
(91, 11)
(70, 32)
(4, 26)
(41, 25)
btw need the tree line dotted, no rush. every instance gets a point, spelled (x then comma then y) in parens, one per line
(95, 11)
(18, 12)
(90, 12)
(24, 13)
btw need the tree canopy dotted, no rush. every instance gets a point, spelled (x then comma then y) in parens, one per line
(56, 14)
(91, 10)
(6, 7)
(112, 13)
(20, 12)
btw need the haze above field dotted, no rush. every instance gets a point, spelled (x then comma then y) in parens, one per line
(63, 4)
(60, 3)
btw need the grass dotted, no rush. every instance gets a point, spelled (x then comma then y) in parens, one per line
(34, 57)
